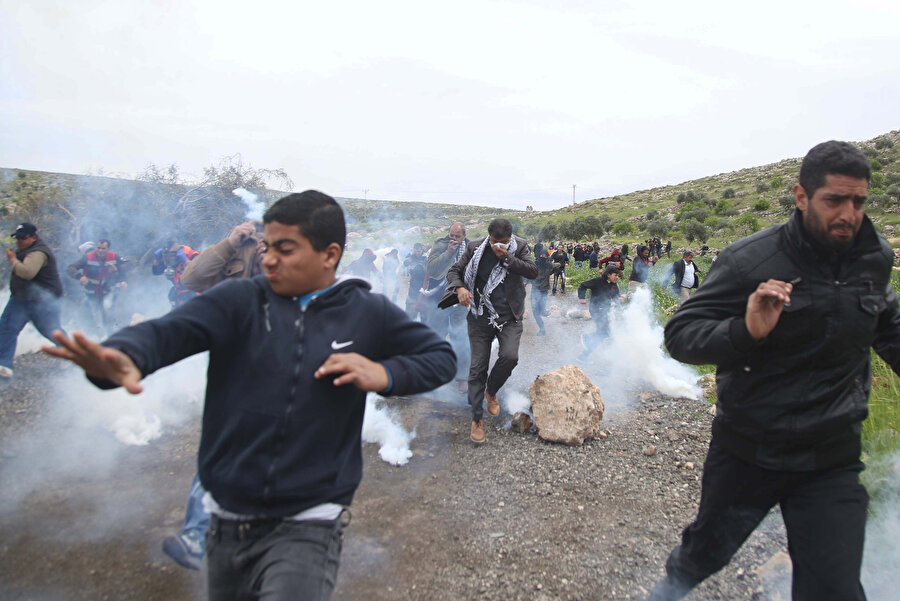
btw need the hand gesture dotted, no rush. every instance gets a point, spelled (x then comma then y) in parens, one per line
(240, 234)
(500, 251)
(764, 307)
(464, 296)
(10, 256)
(353, 368)
(97, 361)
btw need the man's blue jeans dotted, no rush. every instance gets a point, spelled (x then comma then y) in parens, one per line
(196, 520)
(273, 559)
(43, 314)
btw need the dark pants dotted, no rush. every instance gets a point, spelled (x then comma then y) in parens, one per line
(592, 340)
(452, 322)
(43, 314)
(273, 560)
(481, 335)
(561, 278)
(824, 514)
(539, 306)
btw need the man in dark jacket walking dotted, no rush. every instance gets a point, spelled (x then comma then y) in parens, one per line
(488, 280)
(540, 287)
(687, 276)
(34, 293)
(788, 316)
(292, 354)
(604, 293)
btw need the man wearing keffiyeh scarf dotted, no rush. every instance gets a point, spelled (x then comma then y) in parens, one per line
(488, 280)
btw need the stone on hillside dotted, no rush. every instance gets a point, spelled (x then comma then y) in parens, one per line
(578, 314)
(567, 407)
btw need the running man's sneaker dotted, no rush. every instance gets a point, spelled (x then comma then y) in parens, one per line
(6, 372)
(184, 550)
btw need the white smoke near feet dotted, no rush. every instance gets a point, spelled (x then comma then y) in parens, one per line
(255, 207)
(882, 551)
(633, 356)
(382, 426)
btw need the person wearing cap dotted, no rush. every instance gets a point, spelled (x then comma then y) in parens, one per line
(34, 293)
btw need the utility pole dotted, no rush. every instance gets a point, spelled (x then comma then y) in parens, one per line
(573, 194)
(366, 193)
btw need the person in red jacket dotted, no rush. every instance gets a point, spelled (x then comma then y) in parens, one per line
(171, 261)
(615, 259)
(100, 273)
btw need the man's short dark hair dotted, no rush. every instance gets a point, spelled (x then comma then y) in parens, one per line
(832, 158)
(686, 254)
(500, 228)
(102, 240)
(318, 216)
(418, 245)
(612, 269)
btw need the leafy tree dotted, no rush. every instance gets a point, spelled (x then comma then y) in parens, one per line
(761, 205)
(532, 229)
(652, 214)
(658, 227)
(787, 202)
(723, 206)
(728, 193)
(777, 182)
(883, 143)
(623, 228)
(694, 230)
(606, 223)
(549, 231)
(762, 187)
(748, 222)
(878, 180)
(876, 165)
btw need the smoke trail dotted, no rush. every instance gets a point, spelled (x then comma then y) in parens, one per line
(882, 553)
(381, 426)
(255, 207)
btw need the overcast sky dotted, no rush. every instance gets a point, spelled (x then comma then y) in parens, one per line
(496, 103)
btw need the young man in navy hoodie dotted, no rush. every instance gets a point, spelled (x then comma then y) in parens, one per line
(292, 354)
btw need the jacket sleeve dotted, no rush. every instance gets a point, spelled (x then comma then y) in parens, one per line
(523, 262)
(205, 270)
(709, 327)
(887, 335)
(76, 269)
(457, 271)
(439, 259)
(417, 358)
(587, 285)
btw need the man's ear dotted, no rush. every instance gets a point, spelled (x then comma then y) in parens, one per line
(800, 197)
(333, 253)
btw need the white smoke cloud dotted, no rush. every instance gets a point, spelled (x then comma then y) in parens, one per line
(255, 207)
(882, 551)
(382, 426)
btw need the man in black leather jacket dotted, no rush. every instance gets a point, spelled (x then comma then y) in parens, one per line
(788, 316)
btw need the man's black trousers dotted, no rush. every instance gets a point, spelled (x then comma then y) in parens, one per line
(824, 514)
(481, 335)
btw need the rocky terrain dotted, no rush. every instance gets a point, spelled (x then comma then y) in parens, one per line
(515, 518)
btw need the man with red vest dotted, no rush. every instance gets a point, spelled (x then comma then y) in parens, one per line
(171, 261)
(100, 274)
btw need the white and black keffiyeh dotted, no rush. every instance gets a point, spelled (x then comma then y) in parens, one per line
(498, 274)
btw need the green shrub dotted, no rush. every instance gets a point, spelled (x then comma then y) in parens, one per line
(694, 230)
(652, 214)
(699, 214)
(879, 200)
(761, 205)
(878, 180)
(723, 206)
(893, 190)
(787, 202)
(893, 177)
(748, 222)
(777, 182)
(623, 228)
(728, 193)
(870, 152)
(762, 187)
(882, 143)
(659, 227)
(876, 165)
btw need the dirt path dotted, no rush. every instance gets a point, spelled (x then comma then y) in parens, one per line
(515, 518)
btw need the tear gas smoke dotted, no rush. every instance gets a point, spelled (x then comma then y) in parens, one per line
(381, 426)
(255, 207)
(882, 551)
(84, 430)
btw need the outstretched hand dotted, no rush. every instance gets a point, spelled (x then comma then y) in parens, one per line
(353, 368)
(765, 305)
(97, 361)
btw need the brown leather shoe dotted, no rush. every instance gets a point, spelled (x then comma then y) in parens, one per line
(477, 435)
(493, 406)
